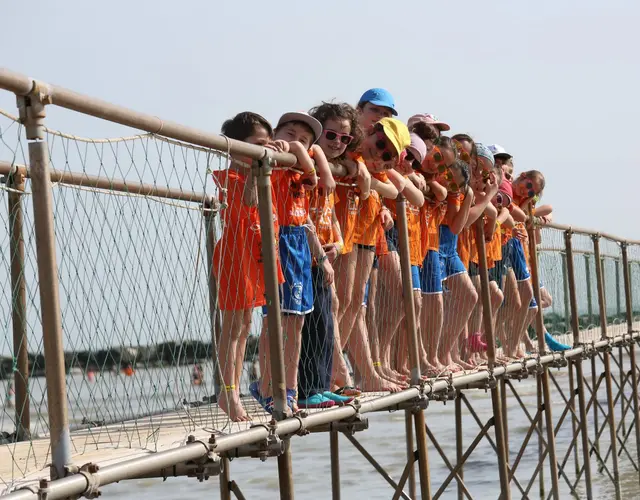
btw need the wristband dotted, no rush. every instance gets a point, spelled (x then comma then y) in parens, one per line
(339, 247)
(322, 259)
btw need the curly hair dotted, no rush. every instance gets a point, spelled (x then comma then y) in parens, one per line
(425, 131)
(340, 111)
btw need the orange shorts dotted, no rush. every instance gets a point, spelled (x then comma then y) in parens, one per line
(239, 273)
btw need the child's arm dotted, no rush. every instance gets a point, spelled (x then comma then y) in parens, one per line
(318, 252)
(503, 216)
(491, 221)
(413, 194)
(250, 191)
(334, 249)
(324, 172)
(305, 163)
(460, 218)
(363, 180)
(386, 189)
(518, 214)
(338, 170)
(543, 211)
(438, 190)
(509, 223)
(482, 203)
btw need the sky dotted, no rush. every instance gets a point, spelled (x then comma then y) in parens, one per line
(555, 83)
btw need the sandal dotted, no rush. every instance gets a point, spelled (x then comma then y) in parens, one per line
(342, 400)
(475, 343)
(316, 401)
(349, 391)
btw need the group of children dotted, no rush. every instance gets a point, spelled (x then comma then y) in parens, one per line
(337, 241)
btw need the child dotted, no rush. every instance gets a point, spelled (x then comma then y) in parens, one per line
(460, 296)
(237, 258)
(295, 133)
(379, 150)
(340, 139)
(389, 272)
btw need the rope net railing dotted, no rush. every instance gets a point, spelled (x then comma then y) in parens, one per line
(163, 297)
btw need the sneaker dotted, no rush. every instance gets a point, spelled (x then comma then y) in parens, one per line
(337, 398)
(553, 344)
(316, 401)
(266, 403)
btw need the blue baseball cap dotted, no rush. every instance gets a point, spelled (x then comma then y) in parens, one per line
(379, 97)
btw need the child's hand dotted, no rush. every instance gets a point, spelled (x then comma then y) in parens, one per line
(488, 232)
(386, 220)
(327, 268)
(309, 181)
(326, 184)
(352, 168)
(418, 182)
(520, 233)
(331, 250)
(279, 145)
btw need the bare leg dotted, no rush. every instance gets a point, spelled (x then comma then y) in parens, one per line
(431, 326)
(459, 302)
(507, 313)
(359, 351)
(292, 332)
(233, 324)
(525, 289)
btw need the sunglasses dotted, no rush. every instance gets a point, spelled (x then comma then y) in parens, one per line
(332, 135)
(462, 154)
(438, 158)
(507, 176)
(382, 143)
(502, 200)
(530, 193)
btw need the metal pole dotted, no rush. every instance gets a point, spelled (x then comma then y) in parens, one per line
(459, 448)
(412, 332)
(618, 301)
(577, 363)
(540, 442)
(15, 181)
(32, 113)
(262, 172)
(572, 388)
(335, 464)
(225, 479)
(632, 349)
(503, 457)
(408, 426)
(505, 418)
(565, 289)
(587, 267)
(607, 373)
(544, 374)
(214, 313)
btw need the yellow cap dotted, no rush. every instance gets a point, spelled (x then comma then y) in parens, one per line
(397, 132)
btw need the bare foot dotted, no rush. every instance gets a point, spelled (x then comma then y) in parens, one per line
(391, 377)
(463, 364)
(229, 402)
(378, 384)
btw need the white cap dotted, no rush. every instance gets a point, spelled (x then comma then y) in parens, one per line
(496, 150)
(301, 116)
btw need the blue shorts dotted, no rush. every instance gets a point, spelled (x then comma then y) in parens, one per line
(430, 277)
(450, 263)
(295, 258)
(365, 301)
(518, 261)
(392, 239)
(415, 277)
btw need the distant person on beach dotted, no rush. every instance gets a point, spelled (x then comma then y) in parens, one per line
(9, 397)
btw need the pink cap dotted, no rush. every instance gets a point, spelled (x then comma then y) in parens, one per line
(430, 119)
(506, 188)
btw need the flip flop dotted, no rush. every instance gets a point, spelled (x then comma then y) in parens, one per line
(316, 401)
(475, 343)
(337, 398)
(553, 344)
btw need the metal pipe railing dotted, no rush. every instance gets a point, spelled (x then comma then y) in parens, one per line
(82, 179)
(59, 96)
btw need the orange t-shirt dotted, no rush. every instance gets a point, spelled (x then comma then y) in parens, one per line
(321, 213)
(292, 203)
(457, 199)
(432, 215)
(494, 249)
(381, 243)
(464, 246)
(347, 205)
(366, 230)
(414, 216)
